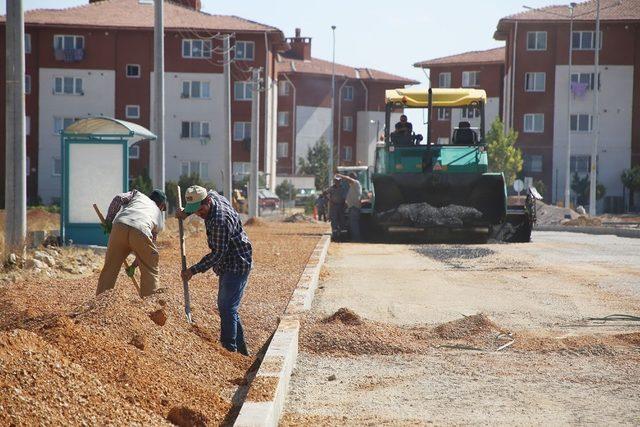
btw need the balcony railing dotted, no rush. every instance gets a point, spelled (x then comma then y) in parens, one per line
(69, 55)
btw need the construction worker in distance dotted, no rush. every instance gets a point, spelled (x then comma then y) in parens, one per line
(133, 222)
(404, 127)
(353, 204)
(230, 258)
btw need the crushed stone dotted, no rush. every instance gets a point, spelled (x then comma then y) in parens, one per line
(425, 215)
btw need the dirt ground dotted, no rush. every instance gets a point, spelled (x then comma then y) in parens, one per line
(70, 358)
(473, 334)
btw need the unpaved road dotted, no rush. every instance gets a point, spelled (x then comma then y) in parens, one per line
(546, 289)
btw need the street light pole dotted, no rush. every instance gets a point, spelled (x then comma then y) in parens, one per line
(567, 179)
(596, 110)
(333, 103)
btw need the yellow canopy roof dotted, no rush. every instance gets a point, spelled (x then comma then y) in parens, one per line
(442, 97)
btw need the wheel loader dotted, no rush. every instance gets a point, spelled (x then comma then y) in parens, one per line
(426, 184)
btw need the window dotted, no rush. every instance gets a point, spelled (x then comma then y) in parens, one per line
(347, 93)
(27, 43)
(284, 88)
(444, 114)
(27, 125)
(470, 112)
(347, 153)
(470, 78)
(196, 89)
(585, 40)
(28, 165)
(283, 118)
(27, 84)
(537, 40)
(283, 150)
(585, 79)
(196, 48)
(580, 165)
(194, 130)
(534, 123)
(534, 82)
(242, 91)
(61, 123)
(132, 112)
(241, 168)
(134, 152)
(532, 163)
(581, 123)
(244, 50)
(444, 80)
(57, 166)
(194, 167)
(347, 123)
(66, 42)
(67, 86)
(241, 130)
(443, 141)
(133, 71)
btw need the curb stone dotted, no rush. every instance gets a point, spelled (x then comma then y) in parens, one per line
(280, 358)
(620, 232)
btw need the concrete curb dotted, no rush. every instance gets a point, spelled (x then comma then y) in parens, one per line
(620, 232)
(265, 398)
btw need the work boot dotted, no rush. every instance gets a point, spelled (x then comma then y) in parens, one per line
(243, 349)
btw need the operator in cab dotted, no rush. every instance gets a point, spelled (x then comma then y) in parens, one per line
(404, 127)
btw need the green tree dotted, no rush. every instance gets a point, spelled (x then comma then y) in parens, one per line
(581, 188)
(502, 152)
(286, 190)
(316, 163)
(185, 181)
(142, 183)
(631, 179)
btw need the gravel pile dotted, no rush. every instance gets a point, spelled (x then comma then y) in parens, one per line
(425, 215)
(299, 217)
(553, 215)
(456, 257)
(584, 221)
(150, 363)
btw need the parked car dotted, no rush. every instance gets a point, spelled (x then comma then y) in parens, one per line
(305, 195)
(267, 199)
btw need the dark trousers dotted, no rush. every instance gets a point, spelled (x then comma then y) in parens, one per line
(354, 224)
(322, 214)
(336, 213)
(230, 293)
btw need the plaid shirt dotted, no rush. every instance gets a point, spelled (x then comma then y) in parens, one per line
(230, 247)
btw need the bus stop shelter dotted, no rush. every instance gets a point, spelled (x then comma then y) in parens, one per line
(95, 167)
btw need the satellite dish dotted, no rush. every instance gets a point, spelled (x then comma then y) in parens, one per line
(518, 185)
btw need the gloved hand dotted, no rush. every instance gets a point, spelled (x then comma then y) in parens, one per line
(130, 270)
(106, 227)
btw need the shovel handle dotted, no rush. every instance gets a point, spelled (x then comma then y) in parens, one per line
(183, 259)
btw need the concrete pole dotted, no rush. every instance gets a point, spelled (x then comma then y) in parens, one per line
(228, 170)
(16, 143)
(333, 106)
(158, 66)
(255, 143)
(596, 112)
(567, 180)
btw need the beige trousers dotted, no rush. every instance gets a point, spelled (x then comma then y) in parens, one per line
(122, 241)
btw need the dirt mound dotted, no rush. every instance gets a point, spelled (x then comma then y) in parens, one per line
(553, 215)
(298, 217)
(584, 221)
(255, 222)
(345, 316)
(581, 345)
(466, 327)
(186, 417)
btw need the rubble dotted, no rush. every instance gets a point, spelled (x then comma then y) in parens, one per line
(299, 217)
(425, 215)
(553, 215)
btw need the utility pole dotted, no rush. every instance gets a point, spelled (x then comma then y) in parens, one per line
(255, 144)
(333, 106)
(227, 169)
(16, 144)
(158, 66)
(567, 179)
(596, 111)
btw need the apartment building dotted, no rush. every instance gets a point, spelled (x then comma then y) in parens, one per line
(476, 69)
(97, 60)
(547, 106)
(304, 106)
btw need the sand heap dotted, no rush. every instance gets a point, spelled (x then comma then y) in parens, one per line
(584, 221)
(553, 215)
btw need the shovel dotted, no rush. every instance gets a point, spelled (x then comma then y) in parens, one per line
(126, 263)
(183, 258)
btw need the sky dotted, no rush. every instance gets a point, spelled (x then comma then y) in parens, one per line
(378, 34)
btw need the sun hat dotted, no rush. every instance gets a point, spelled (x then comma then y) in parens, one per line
(158, 196)
(194, 195)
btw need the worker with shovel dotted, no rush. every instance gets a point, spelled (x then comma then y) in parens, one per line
(133, 222)
(230, 258)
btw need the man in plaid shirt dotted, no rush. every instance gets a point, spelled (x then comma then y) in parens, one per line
(230, 259)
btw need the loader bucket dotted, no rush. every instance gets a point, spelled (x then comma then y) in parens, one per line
(477, 199)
